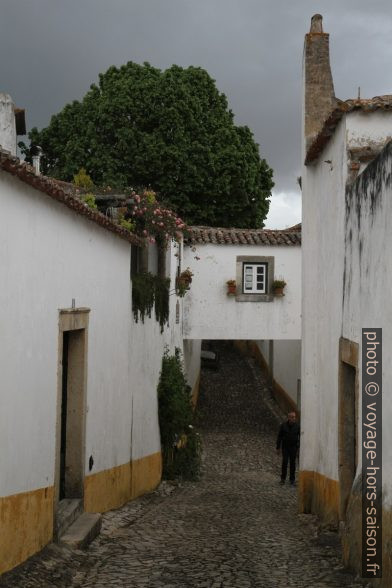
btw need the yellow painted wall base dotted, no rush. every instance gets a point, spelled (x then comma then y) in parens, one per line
(320, 495)
(114, 487)
(26, 519)
(146, 474)
(352, 541)
(26, 525)
(108, 489)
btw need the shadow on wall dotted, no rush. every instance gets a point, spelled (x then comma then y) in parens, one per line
(283, 399)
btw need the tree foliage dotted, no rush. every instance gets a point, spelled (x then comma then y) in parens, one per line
(170, 130)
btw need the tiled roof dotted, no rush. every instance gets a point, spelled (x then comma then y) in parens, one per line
(343, 107)
(63, 194)
(224, 236)
(297, 227)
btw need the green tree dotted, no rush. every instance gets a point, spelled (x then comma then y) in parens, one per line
(171, 130)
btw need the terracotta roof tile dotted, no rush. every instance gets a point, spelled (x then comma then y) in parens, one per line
(343, 107)
(63, 194)
(231, 236)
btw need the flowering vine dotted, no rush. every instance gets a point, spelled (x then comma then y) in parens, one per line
(148, 218)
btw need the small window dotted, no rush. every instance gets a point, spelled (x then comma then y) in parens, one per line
(254, 278)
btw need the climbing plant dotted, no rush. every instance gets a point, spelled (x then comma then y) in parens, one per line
(181, 445)
(148, 290)
(161, 298)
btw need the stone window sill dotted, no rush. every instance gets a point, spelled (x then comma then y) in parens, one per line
(254, 298)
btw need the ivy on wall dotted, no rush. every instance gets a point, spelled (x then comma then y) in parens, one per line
(148, 291)
(181, 444)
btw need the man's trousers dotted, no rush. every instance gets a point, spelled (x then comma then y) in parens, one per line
(288, 453)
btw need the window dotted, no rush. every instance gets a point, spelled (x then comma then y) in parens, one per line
(255, 274)
(254, 278)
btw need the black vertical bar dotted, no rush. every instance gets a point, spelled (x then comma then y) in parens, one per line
(63, 444)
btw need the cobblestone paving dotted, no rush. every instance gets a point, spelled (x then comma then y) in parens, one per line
(236, 527)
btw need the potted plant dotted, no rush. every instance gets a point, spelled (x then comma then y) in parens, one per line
(231, 287)
(183, 281)
(278, 287)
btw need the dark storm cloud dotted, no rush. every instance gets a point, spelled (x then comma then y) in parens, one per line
(52, 50)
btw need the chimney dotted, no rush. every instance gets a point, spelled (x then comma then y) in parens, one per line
(319, 94)
(7, 124)
(36, 154)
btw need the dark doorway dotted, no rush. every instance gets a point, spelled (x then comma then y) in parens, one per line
(72, 415)
(347, 434)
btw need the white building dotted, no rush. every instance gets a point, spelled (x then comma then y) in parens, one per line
(79, 377)
(269, 325)
(347, 271)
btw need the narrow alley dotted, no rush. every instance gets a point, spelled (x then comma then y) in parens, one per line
(236, 527)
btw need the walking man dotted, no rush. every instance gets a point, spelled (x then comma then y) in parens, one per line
(288, 440)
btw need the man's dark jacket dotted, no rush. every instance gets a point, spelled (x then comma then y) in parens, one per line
(288, 436)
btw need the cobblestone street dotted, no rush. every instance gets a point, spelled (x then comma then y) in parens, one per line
(236, 527)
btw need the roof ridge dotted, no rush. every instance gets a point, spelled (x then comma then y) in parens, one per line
(239, 236)
(26, 173)
(383, 102)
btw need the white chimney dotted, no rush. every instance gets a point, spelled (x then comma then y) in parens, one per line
(36, 153)
(7, 124)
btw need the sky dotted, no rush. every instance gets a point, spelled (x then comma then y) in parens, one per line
(52, 50)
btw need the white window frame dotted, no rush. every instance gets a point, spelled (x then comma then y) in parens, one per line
(251, 274)
(255, 295)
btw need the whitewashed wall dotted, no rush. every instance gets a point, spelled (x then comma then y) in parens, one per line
(210, 314)
(49, 256)
(286, 363)
(322, 273)
(368, 281)
(192, 351)
(325, 242)
(287, 366)
(364, 131)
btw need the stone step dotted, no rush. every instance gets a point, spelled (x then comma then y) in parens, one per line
(83, 531)
(67, 512)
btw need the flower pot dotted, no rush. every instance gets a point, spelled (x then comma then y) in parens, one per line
(182, 285)
(181, 281)
(278, 292)
(231, 290)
